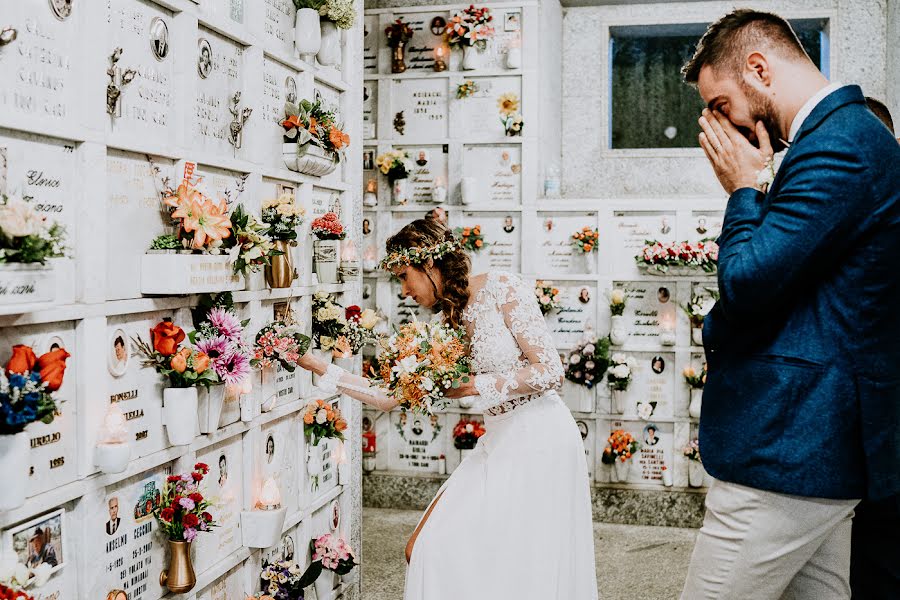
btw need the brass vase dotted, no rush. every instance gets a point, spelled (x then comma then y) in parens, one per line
(398, 60)
(281, 273)
(179, 578)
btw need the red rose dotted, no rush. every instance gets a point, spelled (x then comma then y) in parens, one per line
(197, 476)
(190, 520)
(165, 337)
(197, 498)
(22, 360)
(352, 313)
(167, 514)
(207, 517)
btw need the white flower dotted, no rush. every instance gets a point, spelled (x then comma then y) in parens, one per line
(406, 365)
(18, 219)
(589, 349)
(617, 296)
(369, 318)
(621, 372)
(706, 306)
(575, 359)
(545, 299)
(469, 428)
(428, 384)
(321, 416)
(589, 365)
(645, 410)
(630, 362)
(618, 358)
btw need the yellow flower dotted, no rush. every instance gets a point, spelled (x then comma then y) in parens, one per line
(508, 104)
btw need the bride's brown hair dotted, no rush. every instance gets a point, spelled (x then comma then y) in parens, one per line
(454, 266)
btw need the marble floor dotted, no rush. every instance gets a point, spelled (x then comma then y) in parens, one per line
(632, 561)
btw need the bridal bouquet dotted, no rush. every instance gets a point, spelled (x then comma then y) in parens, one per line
(547, 296)
(586, 364)
(618, 375)
(420, 361)
(659, 257)
(470, 238)
(621, 446)
(183, 510)
(27, 386)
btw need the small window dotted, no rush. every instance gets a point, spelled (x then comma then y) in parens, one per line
(651, 106)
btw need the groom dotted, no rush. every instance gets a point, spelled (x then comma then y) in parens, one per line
(800, 410)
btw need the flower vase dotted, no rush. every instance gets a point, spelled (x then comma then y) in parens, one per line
(324, 355)
(667, 478)
(400, 191)
(179, 414)
(210, 404)
(514, 58)
(468, 190)
(112, 458)
(697, 336)
(617, 331)
(14, 466)
(268, 393)
(179, 578)
(368, 464)
(398, 59)
(695, 473)
(466, 401)
(472, 58)
(327, 258)
(590, 262)
(307, 33)
(325, 585)
(281, 273)
(696, 403)
(330, 50)
(618, 400)
(621, 468)
(613, 478)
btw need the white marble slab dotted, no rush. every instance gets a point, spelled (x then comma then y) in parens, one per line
(212, 111)
(497, 170)
(631, 229)
(651, 311)
(502, 249)
(417, 441)
(421, 105)
(224, 487)
(278, 28)
(480, 112)
(278, 456)
(430, 168)
(556, 256)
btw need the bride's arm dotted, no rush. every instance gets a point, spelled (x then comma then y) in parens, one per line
(334, 377)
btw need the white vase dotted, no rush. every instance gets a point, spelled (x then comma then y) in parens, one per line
(325, 585)
(468, 190)
(180, 414)
(667, 478)
(209, 403)
(27, 285)
(590, 262)
(472, 58)
(370, 199)
(621, 469)
(439, 194)
(617, 332)
(368, 464)
(618, 400)
(112, 458)
(327, 258)
(323, 355)
(514, 58)
(695, 473)
(307, 33)
(696, 403)
(613, 477)
(330, 49)
(268, 394)
(400, 191)
(697, 336)
(14, 466)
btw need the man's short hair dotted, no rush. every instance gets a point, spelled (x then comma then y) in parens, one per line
(727, 42)
(881, 111)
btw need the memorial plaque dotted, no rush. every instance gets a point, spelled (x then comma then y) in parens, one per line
(502, 241)
(417, 441)
(133, 196)
(656, 449)
(289, 548)
(41, 65)
(430, 165)
(420, 49)
(145, 113)
(650, 311)
(278, 28)
(631, 229)
(371, 34)
(370, 110)
(422, 109)
(497, 171)
(577, 315)
(323, 480)
(480, 112)
(556, 255)
(324, 201)
(652, 382)
(705, 224)
(278, 456)
(370, 241)
(222, 184)
(220, 66)
(226, 587)
(229, 10)
(224, 487)
(278, 82)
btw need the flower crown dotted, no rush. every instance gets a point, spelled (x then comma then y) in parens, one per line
(419, 254)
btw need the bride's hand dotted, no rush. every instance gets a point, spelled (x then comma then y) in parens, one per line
(464, 389)
(312, 363)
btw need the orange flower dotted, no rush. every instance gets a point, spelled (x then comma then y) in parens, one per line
(338, 138)
(478, 243)
(22, 360)
(292, 122)
(179, 361)
(313, 123)
(588, 247)
(466, 231)
(206, 220)
(52, 366)
(477, 230)
(308, 418)
(201, 362)
(183, 195)
(165, 337)
(340, 425)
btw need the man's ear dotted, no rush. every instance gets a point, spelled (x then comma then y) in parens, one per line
(757, 69)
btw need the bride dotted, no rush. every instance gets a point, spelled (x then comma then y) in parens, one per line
(513, 521)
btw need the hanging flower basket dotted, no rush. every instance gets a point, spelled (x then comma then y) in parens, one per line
(309, 159)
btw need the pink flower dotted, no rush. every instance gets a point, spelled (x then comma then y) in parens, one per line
(190, 534)
(227, 324)
(187, 503)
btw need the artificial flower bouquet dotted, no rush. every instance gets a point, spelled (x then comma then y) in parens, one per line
(547, 296)
(697, 309)
(332, 553)
(27, 387)
(398, 33)
(617, 302)
(466, 88)
(312, 123)
(396, 164)
(249, 247)
(182, 367)
(510, 117)
(359, 331)
(619, 372)
(470, 27)
(585, 241)
(26, 236)
(586, 364)
(321, 420)
(328, 322)
(466, 433)
(220, 336)
(695, 380)
(658, 257)
(692, 451)
(470, 238)
(279, 343)
(283, 216)
(184, 511)
(620, 445)
(420, 361)
(201, 224)
(328, 227)
(339, 12)
(281, 580)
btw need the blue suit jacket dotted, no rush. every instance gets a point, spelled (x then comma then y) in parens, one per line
(803, 348)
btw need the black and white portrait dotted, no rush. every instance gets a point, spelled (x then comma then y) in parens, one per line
(658, 365)
(204, 62)
(270, 449)
(159, 38)
(61, 8)
(508, 226)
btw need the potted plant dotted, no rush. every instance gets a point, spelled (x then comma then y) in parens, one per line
(621, 446)
(678, 258)
(696, 311)
(397, 165)
(618, 377)
(547, 296)
(617, 331)
(326, 249)
(28, 387)
(307, 30)
(470, 238)
(283, 216)
(184, 369)
(695, 465)
(584, 244)
(332, 557)
(336, 15)
(314, 141)
(398, 34)
(27, 242)
(695, 381)
(470, 29)
(182, 514)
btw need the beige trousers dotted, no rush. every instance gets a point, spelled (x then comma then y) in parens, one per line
(758, 545)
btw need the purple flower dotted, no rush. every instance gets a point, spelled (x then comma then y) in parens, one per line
(190, 534)
(233, 368)
(187, 503)
(227, 324)
(216, 348)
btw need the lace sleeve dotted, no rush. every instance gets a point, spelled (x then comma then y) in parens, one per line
(355, 387)
(544, 370)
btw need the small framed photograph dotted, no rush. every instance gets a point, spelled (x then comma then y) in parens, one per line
(204, 62)
(368, 160)
(40, 541)
(335, 511)
(119, 353)
(512, 21)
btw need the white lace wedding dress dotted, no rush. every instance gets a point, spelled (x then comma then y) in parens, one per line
(513, 521)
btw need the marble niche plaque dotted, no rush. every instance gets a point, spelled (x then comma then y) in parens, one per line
(479, 111)
(631, 229)
(657, 445)
(417, 441)
(430, 169)
(224, 487)
(222, 62)
(421, 109)
(278, 27)
(41, 65)
(228, 586)
(221, 184)
(503, 241)
(420, 49)
(278, 456)
(371, 34)
(555, 255)
(651, 311)
(231, 10)
(653, 380)
(507, 33)
(278, 82)
(370, 110)
(323, 201)
(705, 224)
(145, 33)
(289, 548)
(577, 315)
(324, 481)
(497, 170)
(125, 549)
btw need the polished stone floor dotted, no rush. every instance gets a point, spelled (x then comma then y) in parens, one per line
(632, 561)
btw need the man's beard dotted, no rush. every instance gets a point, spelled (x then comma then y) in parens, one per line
(763, 109)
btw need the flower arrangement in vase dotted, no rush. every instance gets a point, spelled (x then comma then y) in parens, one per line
(696, 381)
(398, 34)
(201, 225)
(328, 321)
(314, 142)
(547, 296)
(330, 552)
(695, 465)
(358, 332)
(397, 166)
(328, 231)
(336, 15)
(182, 514)
(249, 248)
(617, 331)
(321, 421)
(219, 335)
(584, 243)
(510, 117)
(283, 216)
(586, 364)
(618, 378)
(281, 580)
(466, 433)
(471, 30)
(466, 89)
(470, 238)
(621, 447)
(16, 578)
(279, 343)
(678, 258)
